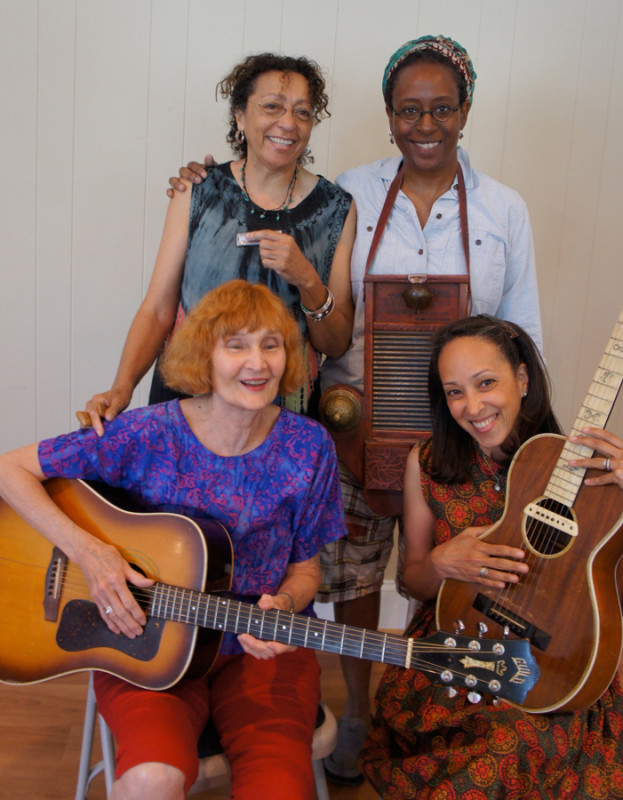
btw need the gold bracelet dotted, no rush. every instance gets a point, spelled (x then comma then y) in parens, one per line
(289, 596)
(323, 311)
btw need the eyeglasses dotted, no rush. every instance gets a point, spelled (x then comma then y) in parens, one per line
(276, 110)
(439, 113)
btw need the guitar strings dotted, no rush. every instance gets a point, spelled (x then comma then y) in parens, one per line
(357, 641)
(543, 543)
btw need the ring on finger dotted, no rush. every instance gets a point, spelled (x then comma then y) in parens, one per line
(108, 610)
(484, 571)
(607, 464)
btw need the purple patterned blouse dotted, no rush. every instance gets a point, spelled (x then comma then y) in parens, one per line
(280, 503)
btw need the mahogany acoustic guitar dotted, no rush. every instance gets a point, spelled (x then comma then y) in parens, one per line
(568, 605)
(50, 627)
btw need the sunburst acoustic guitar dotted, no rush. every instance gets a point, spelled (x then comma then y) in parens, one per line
(50, 626)
(568, 605)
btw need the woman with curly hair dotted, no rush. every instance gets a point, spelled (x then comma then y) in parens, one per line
(263, 218)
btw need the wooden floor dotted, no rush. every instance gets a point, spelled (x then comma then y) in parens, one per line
(41, 729)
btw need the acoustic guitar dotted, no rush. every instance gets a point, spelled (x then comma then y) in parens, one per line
(50, 627)
(568, 605)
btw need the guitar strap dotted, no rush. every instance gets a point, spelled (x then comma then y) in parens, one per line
(389, 203)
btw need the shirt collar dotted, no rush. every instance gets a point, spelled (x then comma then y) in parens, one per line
(388, 167)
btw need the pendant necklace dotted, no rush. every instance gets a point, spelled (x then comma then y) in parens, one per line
(286, 201)
(492, 471)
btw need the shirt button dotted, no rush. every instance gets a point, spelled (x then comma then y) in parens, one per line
(420, 251)
(478, 241)
(439, 216)
(369, 228)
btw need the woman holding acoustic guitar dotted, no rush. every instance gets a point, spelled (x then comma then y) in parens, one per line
(266, 474)
(489, 394)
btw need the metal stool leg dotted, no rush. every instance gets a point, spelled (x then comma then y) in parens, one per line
(86, 772)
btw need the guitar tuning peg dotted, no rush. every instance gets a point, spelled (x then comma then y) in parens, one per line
(459, 626)
(497, 702)
(474, 697)
(506, 632)
(482, 629)
(451, 691)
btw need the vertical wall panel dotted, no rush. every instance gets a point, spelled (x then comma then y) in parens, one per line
(166, 105)
(55, 147)
(576, 271)
(485, 133)
(109, 183)
(18, 101)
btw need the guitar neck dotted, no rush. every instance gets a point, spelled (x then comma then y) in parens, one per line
(233, 616)
(503, 668)
(595, 410)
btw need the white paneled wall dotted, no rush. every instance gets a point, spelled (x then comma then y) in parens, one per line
(101, 102)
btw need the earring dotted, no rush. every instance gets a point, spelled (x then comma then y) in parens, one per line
(239, 136)
(391, 137)
(461, 135)
(308, 155)
(525, 394)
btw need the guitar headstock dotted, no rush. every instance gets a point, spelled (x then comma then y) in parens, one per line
(503, 668)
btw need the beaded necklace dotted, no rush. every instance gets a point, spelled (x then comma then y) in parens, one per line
(286, 201)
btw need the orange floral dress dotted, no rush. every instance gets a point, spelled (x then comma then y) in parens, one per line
(425, 745)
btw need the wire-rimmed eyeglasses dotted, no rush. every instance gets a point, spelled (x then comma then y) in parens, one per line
(275, 110)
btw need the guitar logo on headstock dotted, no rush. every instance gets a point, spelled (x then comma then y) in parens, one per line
(523, 671)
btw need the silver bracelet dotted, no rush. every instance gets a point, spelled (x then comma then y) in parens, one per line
(323, 311)
(289, 596)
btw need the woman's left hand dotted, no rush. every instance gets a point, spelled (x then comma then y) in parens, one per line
(263, 650)
(281, 253)
(608, 456)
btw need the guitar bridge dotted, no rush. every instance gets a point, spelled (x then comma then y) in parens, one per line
(53, 584)
(516, 624)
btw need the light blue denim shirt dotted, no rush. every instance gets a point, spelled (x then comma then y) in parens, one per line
(502, 267)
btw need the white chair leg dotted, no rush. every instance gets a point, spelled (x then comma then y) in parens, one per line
(86, 772)
(322, 790)
(108, 753)
(84, 769)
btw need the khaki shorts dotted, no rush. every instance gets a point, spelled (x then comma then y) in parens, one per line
(355, 565)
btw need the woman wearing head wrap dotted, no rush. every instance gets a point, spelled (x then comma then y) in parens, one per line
(428, 88)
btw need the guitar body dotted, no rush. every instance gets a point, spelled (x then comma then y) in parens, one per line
(568, 605)
(50, 627)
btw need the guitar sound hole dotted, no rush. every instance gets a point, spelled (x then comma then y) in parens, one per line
(544, 534)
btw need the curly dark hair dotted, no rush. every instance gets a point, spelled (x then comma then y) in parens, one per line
(451, 445)
(426, 57)
(240, 84)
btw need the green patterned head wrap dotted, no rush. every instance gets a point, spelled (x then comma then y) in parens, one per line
(440, 44)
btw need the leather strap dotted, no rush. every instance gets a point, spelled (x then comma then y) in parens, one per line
(388, 205)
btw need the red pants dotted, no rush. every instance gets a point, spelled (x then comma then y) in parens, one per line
(264, 712)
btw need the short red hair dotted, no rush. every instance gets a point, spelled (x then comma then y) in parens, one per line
(237, 305)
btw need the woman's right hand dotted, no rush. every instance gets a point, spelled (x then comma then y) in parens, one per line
(107, 575)
(467, 556)
(193, 172)
(106, 406)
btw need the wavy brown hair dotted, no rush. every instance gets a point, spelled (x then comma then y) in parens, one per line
(237, 305)
(240, 84)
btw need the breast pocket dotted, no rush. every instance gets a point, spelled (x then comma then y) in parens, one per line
(487, 255)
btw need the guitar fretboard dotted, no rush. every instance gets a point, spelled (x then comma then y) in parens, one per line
(233, 616)
(566, 481)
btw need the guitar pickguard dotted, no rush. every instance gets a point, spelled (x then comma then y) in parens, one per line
(81, 628)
